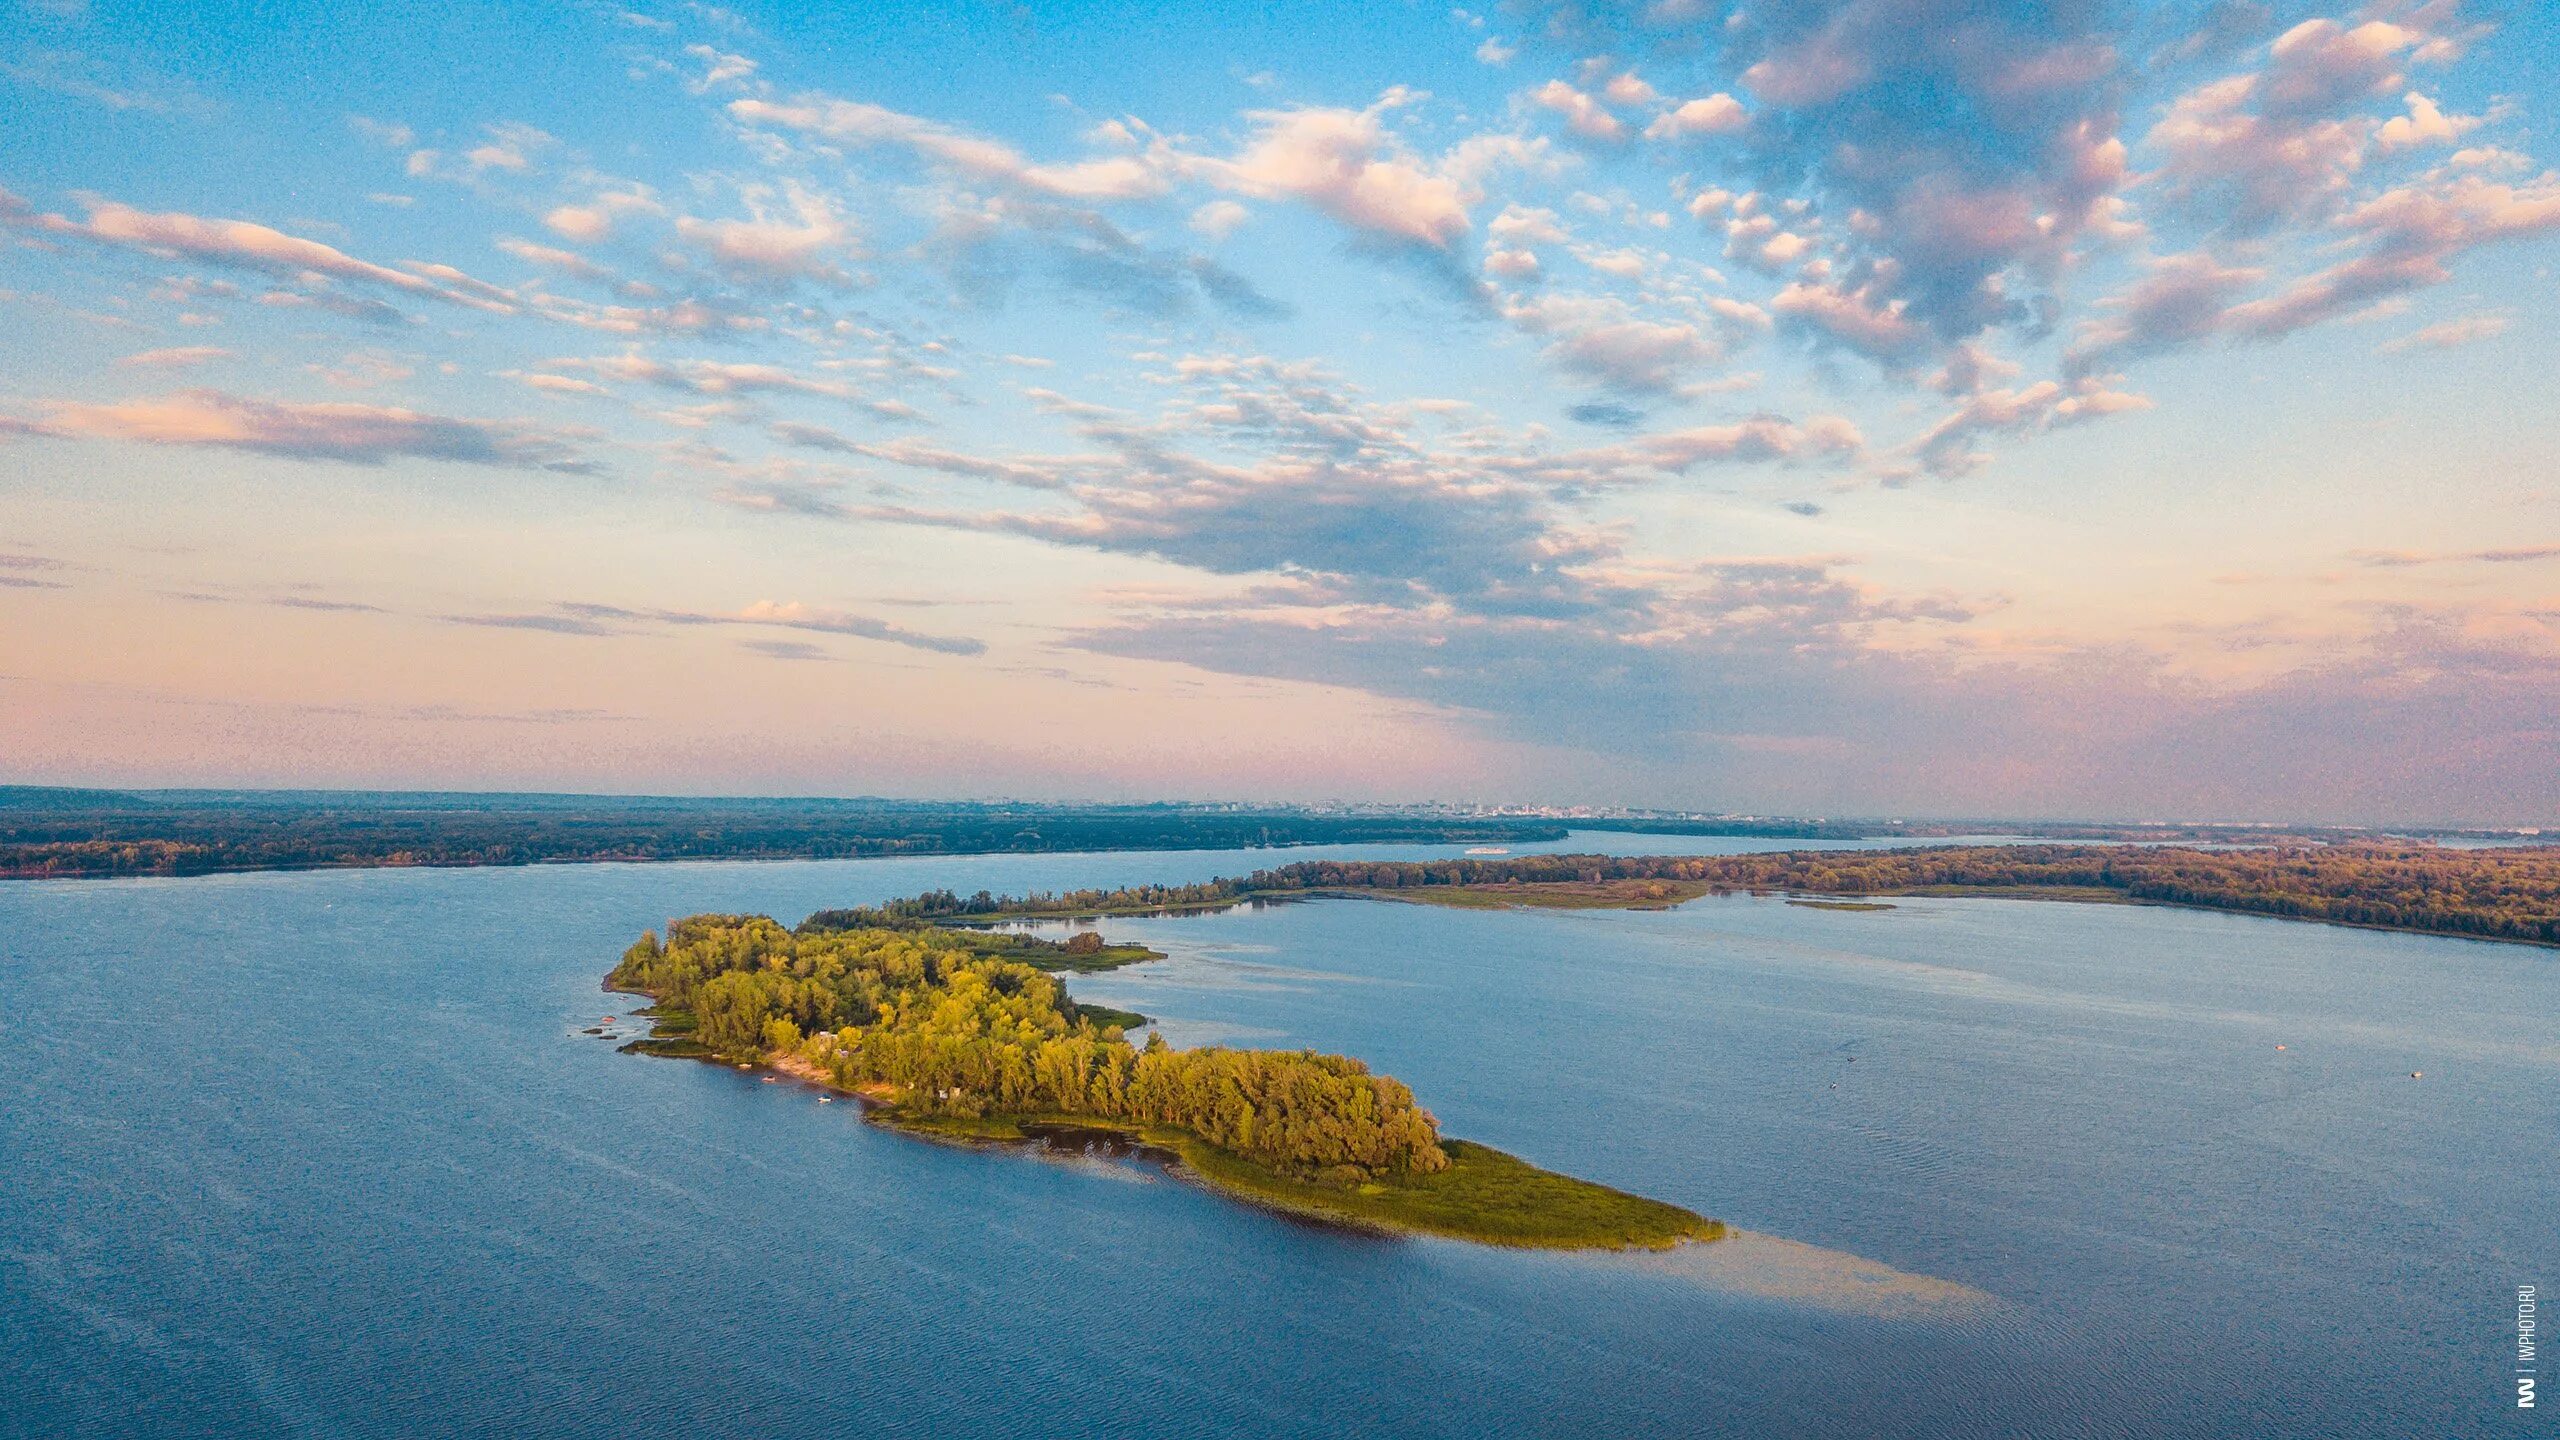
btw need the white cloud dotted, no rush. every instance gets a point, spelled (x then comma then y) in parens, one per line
(177, 357)
(1946, 448)
(2425, 124)
(593, 220)
(802, 237)
(1717, 114)
(1583, 116)
(383, 132)
(355, 434)
(1343, 163)
(1626, 88)
(1858, 317)
(1527, 225)
(719, 68)
(510, 147)
(1115, 177)
(1605, 339)
(1219, 218)
(2450, 334)
(248, 245)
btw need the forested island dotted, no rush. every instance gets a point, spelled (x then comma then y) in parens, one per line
(951, 1040)
(2505, 893)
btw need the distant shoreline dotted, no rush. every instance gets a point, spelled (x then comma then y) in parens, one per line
(53, 833)
(1861, 902)
(2506, 894)
(65, 835)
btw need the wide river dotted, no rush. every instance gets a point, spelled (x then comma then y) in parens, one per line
(327, 1155)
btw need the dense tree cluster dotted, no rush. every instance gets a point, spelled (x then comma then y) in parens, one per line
(960, 1033)
(2510, 893)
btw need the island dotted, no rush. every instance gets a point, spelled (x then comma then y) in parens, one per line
(967, 1035)
(2509, 893)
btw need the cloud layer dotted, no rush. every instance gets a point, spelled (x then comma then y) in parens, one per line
(1719, 393)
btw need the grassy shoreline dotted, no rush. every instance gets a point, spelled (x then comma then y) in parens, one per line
(1487, 1196)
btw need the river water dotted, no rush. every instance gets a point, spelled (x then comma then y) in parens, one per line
(328, 1155)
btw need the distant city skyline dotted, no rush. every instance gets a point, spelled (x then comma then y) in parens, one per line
(1870, 407)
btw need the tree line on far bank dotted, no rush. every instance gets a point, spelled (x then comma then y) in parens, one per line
(2510, 893)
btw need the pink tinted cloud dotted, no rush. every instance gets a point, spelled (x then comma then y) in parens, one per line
(1583, 115)
(1338, 162)
(355, 434)
(245, 244)
(175, 357)
(1114, 177)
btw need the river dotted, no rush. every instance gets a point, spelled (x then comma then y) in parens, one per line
(328, 1154)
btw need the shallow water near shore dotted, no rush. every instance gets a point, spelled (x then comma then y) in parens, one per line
(330, 1154)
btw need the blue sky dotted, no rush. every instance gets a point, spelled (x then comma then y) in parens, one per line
(1863, 406)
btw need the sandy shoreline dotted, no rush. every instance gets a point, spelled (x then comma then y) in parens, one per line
(810, 1073)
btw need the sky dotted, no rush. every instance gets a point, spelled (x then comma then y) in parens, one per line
(1850, 407)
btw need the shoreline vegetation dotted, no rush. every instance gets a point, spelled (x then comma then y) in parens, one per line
(2507, 893)
(953, 1039)
(52, 832)
(57, 833)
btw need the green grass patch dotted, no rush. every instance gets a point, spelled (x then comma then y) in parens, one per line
(679, 1047)
(1484, 1195)
(1108, 1015)
(1000, 1128)
(1109, 957)
(1042, 953)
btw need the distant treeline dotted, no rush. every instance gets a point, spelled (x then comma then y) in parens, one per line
(2507, 894)
(62, 834)
(56, 832)
(960, 1034)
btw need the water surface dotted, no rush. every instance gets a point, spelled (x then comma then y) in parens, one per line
(327, 1154)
